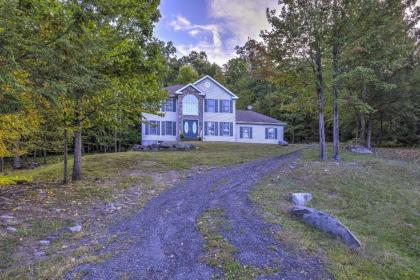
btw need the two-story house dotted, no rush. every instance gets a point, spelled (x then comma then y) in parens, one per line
(206, 110)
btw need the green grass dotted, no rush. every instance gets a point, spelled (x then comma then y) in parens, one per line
(377, 198)
(219, 252)
(106, 166)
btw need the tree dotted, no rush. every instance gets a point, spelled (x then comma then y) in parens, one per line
(187, 74)
(298, 35)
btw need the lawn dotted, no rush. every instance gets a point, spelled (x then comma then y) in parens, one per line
(377, 197)
(114, 184)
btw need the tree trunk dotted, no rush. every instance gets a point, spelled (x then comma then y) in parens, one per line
(115, 140)
(65, 176)
(382, 128)
(44, 155)
(16, 163)
(369, 133)
(77, 162)
(362, 129)
(1, 164)
(321, 99)
(335, 89)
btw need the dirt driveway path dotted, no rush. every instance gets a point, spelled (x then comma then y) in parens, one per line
(162, 242)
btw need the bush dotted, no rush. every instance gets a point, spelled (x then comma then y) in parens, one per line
(6, 180)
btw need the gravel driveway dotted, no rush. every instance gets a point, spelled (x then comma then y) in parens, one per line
(161, 241)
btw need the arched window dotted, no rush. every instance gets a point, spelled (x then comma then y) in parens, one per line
(190, 105)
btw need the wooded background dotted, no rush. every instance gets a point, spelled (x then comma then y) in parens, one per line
(76, 75)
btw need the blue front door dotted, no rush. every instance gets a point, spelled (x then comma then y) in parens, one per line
(190, 129)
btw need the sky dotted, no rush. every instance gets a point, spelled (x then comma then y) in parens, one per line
(213, 26)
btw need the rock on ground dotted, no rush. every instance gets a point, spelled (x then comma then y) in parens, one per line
(300, 199)
(326, 223)
(359, 150)
(75, 228)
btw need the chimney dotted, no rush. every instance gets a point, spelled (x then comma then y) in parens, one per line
(249, 107)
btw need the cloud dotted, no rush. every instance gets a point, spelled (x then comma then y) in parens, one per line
(194, 32)
(211, 41)
(180, 23)
(243, 18)
(232, 23)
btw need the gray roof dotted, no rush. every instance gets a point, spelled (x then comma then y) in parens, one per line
(174, 88)
(248, 116)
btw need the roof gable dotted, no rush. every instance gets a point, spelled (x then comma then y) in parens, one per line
(181, 90)
(218, 84)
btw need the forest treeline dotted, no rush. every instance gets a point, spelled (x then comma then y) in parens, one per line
(76, 75)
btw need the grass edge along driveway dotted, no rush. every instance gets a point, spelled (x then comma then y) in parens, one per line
(376, 197)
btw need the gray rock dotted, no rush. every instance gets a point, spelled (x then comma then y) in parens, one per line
(182, 146)
(44, 242)
(327, 224)
(6, 217)
(40, 254)
(110, 207)
(76, 228)
(137, 147)
(359, 150)
(300, 199)
(283, 143)
(166, 144)
(11, 229)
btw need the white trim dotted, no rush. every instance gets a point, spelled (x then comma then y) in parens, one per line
(219, 84)
(179, 91)
(261, 123)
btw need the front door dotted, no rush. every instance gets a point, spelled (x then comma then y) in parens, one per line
(190, 129)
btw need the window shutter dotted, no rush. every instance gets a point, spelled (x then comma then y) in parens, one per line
(158, 128)
(266, 133)
(275, 133)
(216, 128)
(221, 106)
(174, 128)
(231, 129)
(146, 128)
(206, 132)
(163, 128)
(241, 132)
(250, 132)
(231, 106)
(205, 105)
(174, 105)
(216, 105)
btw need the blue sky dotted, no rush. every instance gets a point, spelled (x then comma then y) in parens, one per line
(213, 26)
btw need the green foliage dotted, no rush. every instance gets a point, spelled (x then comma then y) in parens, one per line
(187, 74)
(6, 180)
(378, 65)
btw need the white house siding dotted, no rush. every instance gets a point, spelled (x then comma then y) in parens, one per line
(217, 92)
(258, 133)
(152, 139)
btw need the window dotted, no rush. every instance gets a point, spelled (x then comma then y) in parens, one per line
(246, 132)
(169, 128)
(211, 105)
(190, 105)
(226, 106)
(152, 128)
(226, 129)
(210, 128)
(271, 133)
(169, 105)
